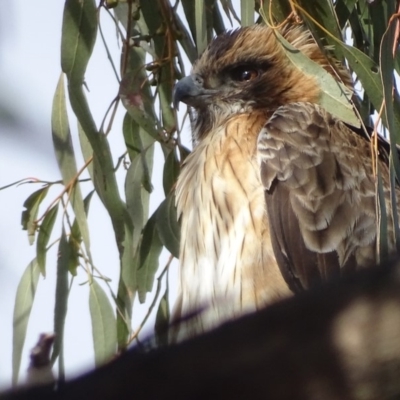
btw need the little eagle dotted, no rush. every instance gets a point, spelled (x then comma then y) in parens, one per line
(278, 195)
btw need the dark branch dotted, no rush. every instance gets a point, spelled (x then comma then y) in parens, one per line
(341, 341)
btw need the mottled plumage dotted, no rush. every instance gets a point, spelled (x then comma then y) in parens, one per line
(277, 195)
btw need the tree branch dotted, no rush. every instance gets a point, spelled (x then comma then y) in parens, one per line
(339, 342)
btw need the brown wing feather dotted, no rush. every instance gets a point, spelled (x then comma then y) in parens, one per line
(301, 267)
(320, 194)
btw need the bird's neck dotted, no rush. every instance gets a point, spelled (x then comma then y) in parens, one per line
(226, 255)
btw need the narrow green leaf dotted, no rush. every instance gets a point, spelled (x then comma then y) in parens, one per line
(334, 96)
(79, 29)
(121, 12)
(45, 230)
(78, 36)
(247, 12)
(393, 203)
(378, 22)
(228, 8)
(382, 221)
(218, 21)
(61, 134)
(137, 102)
(29, 216)
(158, 16)
(396, 65)
(189, 10)
(75, 239)
(129, 265)
(386, 68)
(123, 315)
(87, 150)
(22, 310)
(167, 225)
(280, 10)
(150, 251)
(133, 192)
(64, 150)
(211, 23)
(171, 171)
(162, 320)
(186, 41)
(138, 141)
(61, 296)
(362, 29)
(343, 10)
(367, 72)
(103, 168)
(324, 14)
(201, 26)
(103, 324)
(136, 138)
(183, 153)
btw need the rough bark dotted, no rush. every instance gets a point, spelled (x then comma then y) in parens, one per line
(341, 341)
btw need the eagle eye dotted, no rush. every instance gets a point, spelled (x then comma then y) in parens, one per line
(244, 73)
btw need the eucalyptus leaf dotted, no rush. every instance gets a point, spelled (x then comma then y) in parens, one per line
(137, 102)
(280, 10)
(129, 265)
(343, 10)
(64, 150)
(75, 238)
(229, 10)
(368, 73)
(323, 23)
(162, 320)
(150, 251)
(78, 37)
(334, 96)
(159, 21)
(186, 41)
(29, 216)
(124, 302)
(61, 303)
(218, 21)
(79, 29)
(383, 249)
(103, 324)
(168, 226)
(24, 297)
(171, 171)
(87, 151)
(247, 12)
(386, 68)
(189, 10)
(133, 192)
(103, 169)
(45, 230)
(201, 27)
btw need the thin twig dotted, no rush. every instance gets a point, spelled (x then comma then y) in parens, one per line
(109, 54)
(153, 303)
(67, 189)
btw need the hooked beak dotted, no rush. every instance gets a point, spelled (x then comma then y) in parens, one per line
(190, 90)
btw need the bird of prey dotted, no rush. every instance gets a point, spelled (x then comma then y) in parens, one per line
(277, 195)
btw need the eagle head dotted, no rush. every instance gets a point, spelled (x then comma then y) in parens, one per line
(246, 70)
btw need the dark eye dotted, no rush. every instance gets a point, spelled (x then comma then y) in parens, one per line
(244, 74)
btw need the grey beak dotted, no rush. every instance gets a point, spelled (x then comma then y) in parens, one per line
(188, 90)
